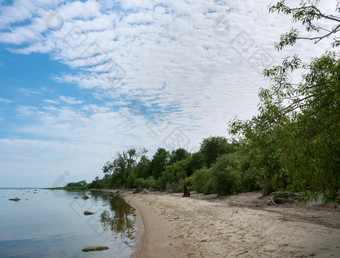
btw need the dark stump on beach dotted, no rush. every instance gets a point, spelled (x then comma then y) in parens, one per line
(186, 192)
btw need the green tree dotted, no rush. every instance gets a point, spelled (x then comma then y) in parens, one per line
(97, 183)
(143, 168)
(199, 180)
(177, 155)
(81, 183)
(159, 161)
(213, 147)
(294, 141)
(195, 161)
(225, 175)
(120, 168)
(174, 175)
(307, 12)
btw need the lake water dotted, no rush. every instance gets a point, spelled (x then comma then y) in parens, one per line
(47, 223)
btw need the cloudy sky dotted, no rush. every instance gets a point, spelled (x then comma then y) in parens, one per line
(80, 80)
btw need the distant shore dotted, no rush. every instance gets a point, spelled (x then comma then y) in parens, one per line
(74, 188)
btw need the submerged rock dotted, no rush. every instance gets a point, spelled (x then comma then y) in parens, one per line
(16, 199)
(85, 197)
(88, 212)
(94, 248)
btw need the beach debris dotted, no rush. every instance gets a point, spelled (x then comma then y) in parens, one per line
(244, 252)
(186, 192)
(144, 191)
(120, 191)
(94, 248)
(209, 197)
(85, 197)
(270, 201)
(282, 197)
(88, 212)
(136, 190)
(169, 191)
(16, 199)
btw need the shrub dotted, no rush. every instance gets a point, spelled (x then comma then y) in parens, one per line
(199, 180)
(225, 175)
(150, 182)
(140, 183)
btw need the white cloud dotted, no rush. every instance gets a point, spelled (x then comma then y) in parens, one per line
(70, 100)
(29, 92)
(190, 62)
(51, 101)
(5, 100)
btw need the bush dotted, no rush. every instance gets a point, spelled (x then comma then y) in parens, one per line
(150, 182)
(199, 180)
(225, 175)
(140, 183)
(173, 176)
(131, 180)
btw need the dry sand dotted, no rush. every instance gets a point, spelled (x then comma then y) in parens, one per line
(237, 226)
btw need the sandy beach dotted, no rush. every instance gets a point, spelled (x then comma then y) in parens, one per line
(236, 226)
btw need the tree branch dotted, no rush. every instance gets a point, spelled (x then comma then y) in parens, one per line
(329, 17)
(295, 105)
(336, 29)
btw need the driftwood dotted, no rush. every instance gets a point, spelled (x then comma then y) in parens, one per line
(144, 191)
(290, 197)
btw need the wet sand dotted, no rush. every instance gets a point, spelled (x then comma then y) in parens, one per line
(236, 226)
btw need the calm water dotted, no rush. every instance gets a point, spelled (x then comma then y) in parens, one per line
(50, 223)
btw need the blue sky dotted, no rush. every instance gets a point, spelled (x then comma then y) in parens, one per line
(80, 80)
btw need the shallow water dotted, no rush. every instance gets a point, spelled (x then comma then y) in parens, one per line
(47, 223)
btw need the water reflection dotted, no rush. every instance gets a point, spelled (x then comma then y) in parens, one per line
(121, 219)
(53, 224)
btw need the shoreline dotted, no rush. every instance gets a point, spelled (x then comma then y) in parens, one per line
(154, 232)
(232, 226)
(140, 229)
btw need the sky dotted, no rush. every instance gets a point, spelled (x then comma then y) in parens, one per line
(81, 80)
